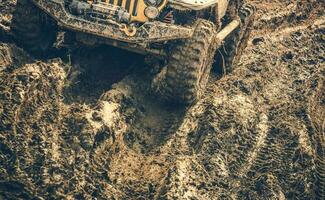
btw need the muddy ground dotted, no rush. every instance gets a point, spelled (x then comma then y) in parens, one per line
(84, 125)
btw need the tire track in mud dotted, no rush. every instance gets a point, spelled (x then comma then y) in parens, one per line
(23, 93)
(260, 153)
(316, 111)
(273, 143)
(276, 15)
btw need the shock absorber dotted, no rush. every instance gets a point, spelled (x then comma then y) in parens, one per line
(169, 18)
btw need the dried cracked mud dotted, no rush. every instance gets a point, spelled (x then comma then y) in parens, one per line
(88, 127)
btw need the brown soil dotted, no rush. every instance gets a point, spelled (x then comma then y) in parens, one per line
(68, 132)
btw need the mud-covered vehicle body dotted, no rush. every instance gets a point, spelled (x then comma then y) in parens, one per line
(132, 24)
(186, 33)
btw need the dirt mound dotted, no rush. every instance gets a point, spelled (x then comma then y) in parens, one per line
(65, 132)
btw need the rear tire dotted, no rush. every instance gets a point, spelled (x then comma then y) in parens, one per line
(32, 28)
(185, 77)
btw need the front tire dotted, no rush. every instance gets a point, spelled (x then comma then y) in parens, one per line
(32, 28)
(185, 77)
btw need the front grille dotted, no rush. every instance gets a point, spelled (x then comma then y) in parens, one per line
(131, 6)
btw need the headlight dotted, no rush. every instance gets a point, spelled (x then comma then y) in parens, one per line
(151, 12)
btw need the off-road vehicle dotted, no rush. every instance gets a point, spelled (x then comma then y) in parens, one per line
(185, 33)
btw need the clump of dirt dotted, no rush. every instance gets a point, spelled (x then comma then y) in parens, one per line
(66, 132)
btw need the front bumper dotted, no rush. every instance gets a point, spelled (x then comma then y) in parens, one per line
(147, 33)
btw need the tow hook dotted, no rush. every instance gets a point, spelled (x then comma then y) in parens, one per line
(128, 30)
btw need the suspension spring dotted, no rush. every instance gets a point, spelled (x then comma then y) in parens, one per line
(169, 18)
